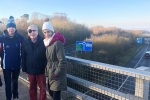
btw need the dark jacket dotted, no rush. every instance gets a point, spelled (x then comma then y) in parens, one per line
(34, 57)
(10, 50)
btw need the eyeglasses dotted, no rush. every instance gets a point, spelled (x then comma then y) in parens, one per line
(30, 31)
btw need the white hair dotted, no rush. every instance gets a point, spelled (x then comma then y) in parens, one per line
(32, 25)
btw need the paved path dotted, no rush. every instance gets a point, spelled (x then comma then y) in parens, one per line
(23, 90)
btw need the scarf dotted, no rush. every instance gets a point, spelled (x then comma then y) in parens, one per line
(47, 41)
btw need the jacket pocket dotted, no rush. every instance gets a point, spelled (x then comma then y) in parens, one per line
(51, 74)
(52, 67)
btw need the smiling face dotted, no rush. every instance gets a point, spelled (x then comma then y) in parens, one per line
(32, 31)
(47, 33)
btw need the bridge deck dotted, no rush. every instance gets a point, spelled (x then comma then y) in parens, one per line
(23, 90)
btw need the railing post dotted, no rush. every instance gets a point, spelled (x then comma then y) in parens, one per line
(141, 85)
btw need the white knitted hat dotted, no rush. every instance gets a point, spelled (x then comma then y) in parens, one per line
(47, 25)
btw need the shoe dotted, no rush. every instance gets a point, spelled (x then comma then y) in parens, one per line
(16, 99)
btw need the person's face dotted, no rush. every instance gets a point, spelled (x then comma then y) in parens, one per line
(32, 33)
(11, 31)
(47, 33)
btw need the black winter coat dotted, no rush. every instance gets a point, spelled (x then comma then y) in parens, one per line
(34, 57)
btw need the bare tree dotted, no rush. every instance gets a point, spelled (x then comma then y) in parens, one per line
(4, 20)
(35, 15)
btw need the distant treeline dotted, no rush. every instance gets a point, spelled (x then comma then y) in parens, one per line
(71, 30)
(109, 44)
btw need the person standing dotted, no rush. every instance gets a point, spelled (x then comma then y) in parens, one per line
(10, 52)
(56, 61)
(34, 63)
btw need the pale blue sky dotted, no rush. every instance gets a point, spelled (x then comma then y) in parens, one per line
(126, 14)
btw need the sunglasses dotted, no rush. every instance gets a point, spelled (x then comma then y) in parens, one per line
(30, 31)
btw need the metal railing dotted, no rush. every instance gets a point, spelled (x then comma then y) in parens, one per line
(90, 80)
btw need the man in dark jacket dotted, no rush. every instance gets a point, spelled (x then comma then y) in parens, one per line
(34, 63)
(10, 52)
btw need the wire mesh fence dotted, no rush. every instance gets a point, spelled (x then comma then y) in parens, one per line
(89, 80)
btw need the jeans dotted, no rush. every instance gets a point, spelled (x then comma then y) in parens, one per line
(11, 83)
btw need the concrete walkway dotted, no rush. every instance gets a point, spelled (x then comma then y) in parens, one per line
(23, 90)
